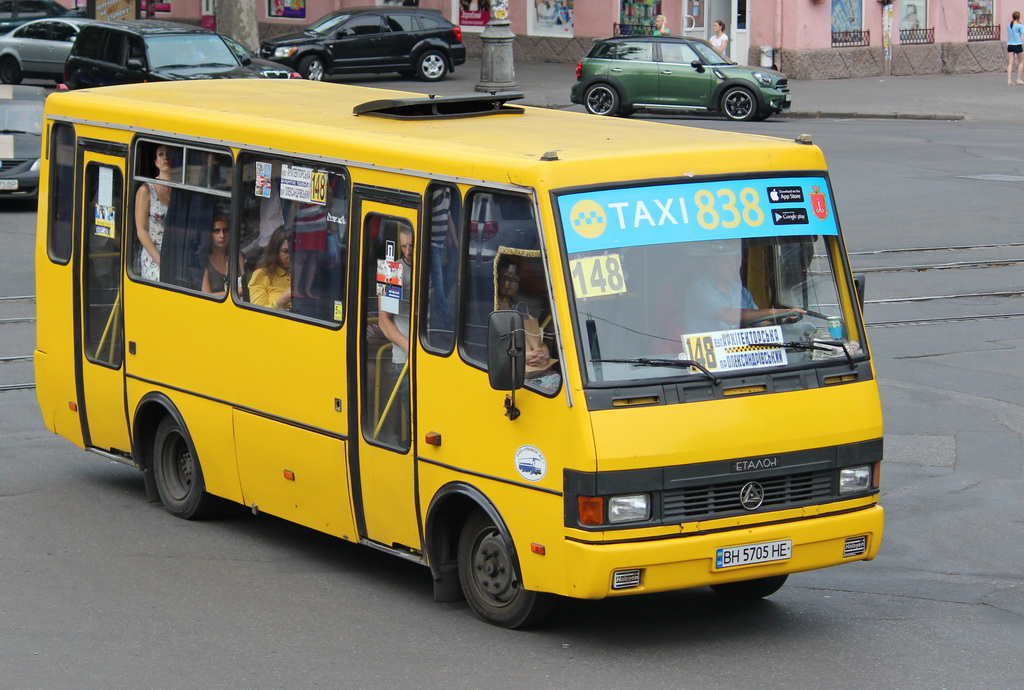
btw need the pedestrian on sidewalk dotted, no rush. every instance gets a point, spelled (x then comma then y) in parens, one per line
(720, 40)
(1014, 48)
(661, 26)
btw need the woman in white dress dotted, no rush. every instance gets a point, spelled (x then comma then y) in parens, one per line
(150, 212)
(720, 40)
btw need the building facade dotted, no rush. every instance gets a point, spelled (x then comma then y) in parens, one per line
(807, 39)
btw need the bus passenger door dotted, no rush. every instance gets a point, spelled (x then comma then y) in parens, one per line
(99, 330)
(383, 464)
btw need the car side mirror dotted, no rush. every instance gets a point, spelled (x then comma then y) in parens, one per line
(135, 64)
(246, 61)
(860, 282)
(697, 65)
(506, 350)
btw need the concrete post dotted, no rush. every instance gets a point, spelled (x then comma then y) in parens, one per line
(497, 71)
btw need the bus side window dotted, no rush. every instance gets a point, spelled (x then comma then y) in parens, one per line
(502, 229)
(155, 162)
(443, 211)
(311, 204)
(62, 188)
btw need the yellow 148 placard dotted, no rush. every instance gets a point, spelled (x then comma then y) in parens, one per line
(596, 276)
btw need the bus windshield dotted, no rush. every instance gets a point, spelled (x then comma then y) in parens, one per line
(706, 277)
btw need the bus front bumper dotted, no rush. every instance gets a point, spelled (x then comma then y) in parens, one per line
(617, 569)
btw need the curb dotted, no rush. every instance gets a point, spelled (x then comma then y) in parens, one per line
(817, 114)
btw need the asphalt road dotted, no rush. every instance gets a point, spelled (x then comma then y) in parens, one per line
(100, 589)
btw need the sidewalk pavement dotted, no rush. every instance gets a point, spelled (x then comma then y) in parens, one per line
(934, 97)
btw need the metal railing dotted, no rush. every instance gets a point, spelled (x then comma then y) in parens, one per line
(847, 39)
(983, 32)
(911, 36)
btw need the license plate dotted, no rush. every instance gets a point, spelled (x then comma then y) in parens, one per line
(8, 184)
(765, 552)
(789, 97)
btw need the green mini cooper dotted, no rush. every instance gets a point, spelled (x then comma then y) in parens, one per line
(630, 73)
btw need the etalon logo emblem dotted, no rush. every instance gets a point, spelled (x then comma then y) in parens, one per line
(751, 496)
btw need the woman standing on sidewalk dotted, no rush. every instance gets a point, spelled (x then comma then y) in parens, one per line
(720, 40)
(1014, 48)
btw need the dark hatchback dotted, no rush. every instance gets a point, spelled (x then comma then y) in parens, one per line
(21, 130)
(133, 51)
(622, 75)
(407, 40)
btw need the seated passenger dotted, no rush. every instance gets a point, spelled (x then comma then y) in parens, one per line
(539, 364)
(271, 282)
(215, 277)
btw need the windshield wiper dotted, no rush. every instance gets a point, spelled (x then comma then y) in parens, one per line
(675, 363)
(823, 345)
(18, 131)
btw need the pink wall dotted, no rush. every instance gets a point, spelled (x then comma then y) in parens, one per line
(807, 24)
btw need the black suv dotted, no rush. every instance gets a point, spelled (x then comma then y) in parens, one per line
(407, 40)
(132, 51)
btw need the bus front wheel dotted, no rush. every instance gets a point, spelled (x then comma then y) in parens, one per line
(179, 478)
(490, 581)
(750, 590)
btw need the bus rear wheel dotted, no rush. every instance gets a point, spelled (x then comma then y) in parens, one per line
(490, 581)
(179, 478)
(750, 590)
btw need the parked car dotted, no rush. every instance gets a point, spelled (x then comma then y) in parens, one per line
(131, 51)
(14, 13)
(266, 68)
(625, 74)
(21, 122)
(38, 49)
(407, 40)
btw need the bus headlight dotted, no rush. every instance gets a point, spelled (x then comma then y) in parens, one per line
(854, 479)
(631, 508)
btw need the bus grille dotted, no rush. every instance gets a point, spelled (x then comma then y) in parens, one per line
(706, 501)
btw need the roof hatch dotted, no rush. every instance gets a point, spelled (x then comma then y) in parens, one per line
(442, 107)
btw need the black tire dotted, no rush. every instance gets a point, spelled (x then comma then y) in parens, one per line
(739, 104)
(312, 67)
(10, 71)
(487, 572)
(750, 590)
(432, 66)
(602, 99)
(178, 475)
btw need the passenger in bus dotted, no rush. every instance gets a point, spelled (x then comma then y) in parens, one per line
(395, 326)
(540, 369)
(151, 201)
(215, 277)
(718, 300)
(271, 282)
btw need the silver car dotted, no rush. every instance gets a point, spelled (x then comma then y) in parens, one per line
(38, 49)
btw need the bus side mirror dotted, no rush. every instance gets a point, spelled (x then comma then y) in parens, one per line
(860, 281)
(506, 350)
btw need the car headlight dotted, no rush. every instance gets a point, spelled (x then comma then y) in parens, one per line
(762, 78)
(854, 479)
(631, 508)
(284, 52)
(35, 166)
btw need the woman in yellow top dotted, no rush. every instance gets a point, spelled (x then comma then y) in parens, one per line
(271, 282)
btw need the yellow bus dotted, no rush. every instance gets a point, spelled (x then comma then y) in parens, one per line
(542, 353)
